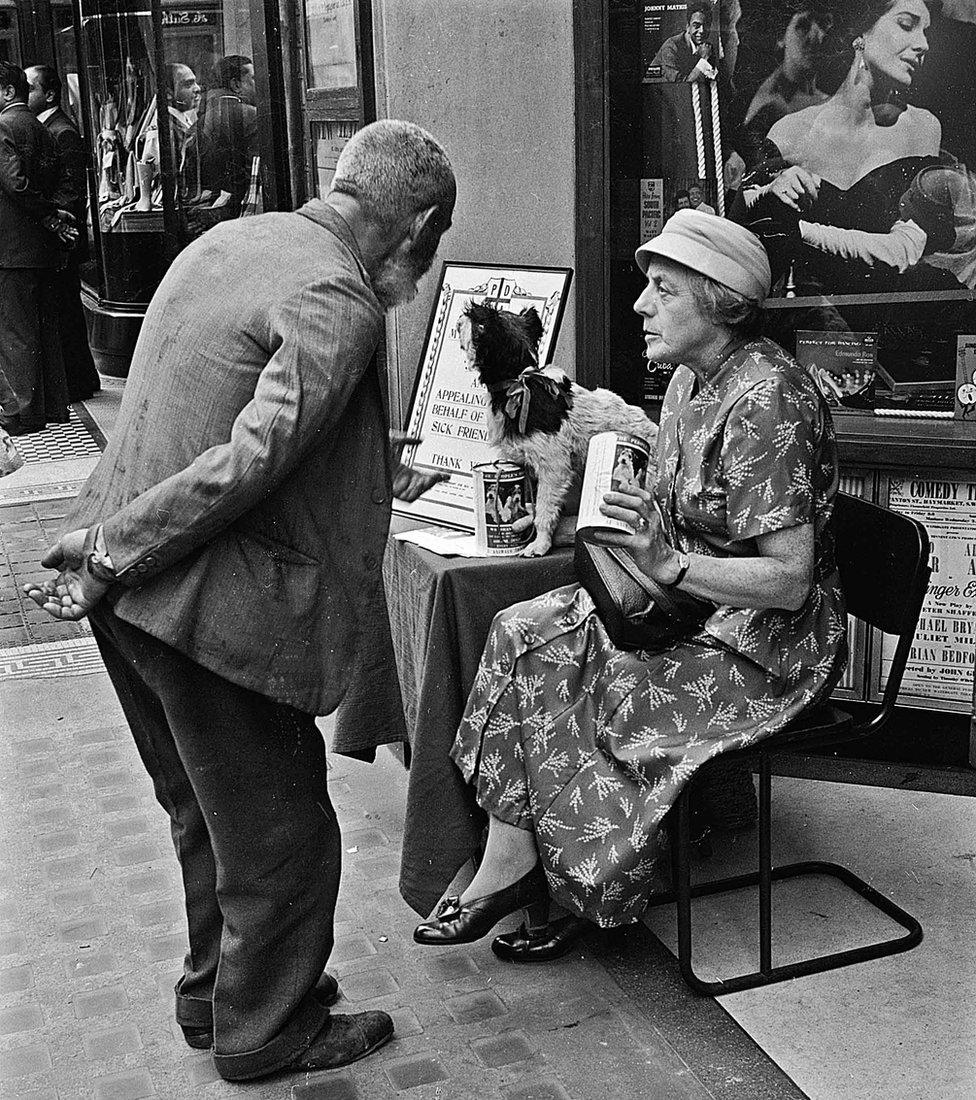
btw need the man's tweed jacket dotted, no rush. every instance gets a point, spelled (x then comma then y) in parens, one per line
(246, 493)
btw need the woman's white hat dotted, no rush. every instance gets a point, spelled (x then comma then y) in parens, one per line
(721, 249)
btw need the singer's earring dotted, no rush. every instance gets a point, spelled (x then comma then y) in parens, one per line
(858, 43)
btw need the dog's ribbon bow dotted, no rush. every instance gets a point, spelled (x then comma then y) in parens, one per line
(518, 392)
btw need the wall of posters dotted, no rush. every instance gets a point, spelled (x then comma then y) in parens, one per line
(846, 140)
(857, 137)
(942, 659)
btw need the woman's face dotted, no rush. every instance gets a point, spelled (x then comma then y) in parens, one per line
(895, 46)
(675, 329)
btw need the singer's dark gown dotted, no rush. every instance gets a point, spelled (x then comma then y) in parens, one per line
(874, 203)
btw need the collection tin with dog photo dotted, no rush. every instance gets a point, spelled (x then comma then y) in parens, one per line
(503, 508)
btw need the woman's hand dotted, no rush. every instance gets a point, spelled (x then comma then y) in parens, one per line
(796, 188)
(647, 544)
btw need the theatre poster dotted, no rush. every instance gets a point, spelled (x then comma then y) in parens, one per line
(940, 667)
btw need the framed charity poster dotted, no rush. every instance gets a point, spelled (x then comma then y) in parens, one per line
(449, 407)
(940, 667)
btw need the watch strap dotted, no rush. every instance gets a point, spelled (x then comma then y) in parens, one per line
(684, 562)
(99, 562)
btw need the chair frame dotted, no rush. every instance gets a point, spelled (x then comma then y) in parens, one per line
(824, 726)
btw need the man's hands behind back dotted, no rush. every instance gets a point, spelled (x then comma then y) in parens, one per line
(74, 591)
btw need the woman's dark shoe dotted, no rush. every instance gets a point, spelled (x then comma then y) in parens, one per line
(326, 991)
(551, 941)
(457, 922)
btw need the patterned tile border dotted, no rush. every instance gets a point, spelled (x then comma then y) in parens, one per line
(49, 660)
(48, 490)
(79, 438)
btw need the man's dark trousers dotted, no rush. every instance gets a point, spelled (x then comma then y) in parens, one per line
(243, 779)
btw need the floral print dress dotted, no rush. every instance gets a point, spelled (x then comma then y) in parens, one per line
(588, 745)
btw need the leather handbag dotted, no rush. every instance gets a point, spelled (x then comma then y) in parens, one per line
(636, 611)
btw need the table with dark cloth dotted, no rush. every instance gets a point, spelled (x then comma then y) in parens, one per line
(441, 610)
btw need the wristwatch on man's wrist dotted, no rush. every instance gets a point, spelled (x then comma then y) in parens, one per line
(99, 562)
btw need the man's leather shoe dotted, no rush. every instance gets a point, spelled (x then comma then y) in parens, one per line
(201, 1038)
(345, 1039)
(540, 944)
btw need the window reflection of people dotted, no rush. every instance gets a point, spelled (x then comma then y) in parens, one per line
(183, 93)
(72, 157)
(34, 225)
(792, 85)
(633, 725)
(686, 56)
(854, 189)
(229, 129)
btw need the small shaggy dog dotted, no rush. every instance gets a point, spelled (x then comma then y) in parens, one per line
(538, 417)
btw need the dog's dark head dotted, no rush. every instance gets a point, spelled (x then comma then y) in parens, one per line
(502, 344)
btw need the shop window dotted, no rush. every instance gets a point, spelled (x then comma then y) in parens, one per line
(699, 97)
(171, 114)
(330, 44)
(336, 83)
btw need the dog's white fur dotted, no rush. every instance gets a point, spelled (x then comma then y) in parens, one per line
(555, 458)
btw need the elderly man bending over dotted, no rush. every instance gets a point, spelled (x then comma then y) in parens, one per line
(226, 549)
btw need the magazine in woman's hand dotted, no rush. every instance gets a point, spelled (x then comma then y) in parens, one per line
(616, 462)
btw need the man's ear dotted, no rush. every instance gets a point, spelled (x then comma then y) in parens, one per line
(423, 220)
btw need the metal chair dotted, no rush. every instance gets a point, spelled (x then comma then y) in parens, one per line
(883, 561)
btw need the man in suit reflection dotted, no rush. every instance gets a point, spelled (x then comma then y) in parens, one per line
(44, 101)
(228, 126)
(33, 228)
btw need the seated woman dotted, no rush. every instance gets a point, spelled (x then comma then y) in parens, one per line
(577, 749)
